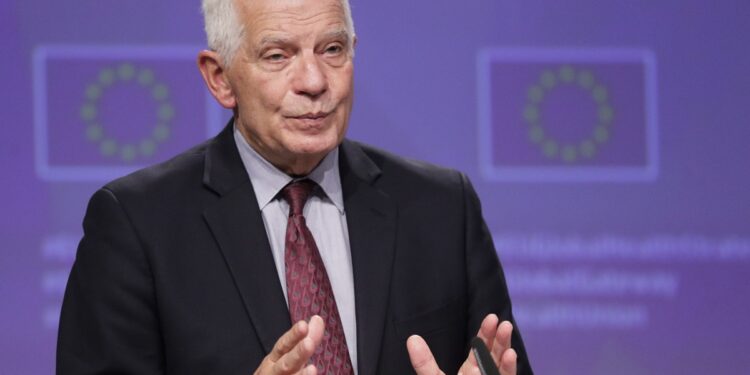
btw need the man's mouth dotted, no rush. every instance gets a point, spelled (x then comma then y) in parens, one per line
(311, 121)
(311, 116)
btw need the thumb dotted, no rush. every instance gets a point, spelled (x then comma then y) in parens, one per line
(421, 357)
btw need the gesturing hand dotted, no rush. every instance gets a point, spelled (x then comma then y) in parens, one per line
(293, 350)
(495, 336)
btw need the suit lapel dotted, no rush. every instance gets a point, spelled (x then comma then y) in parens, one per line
(371, 220)
(236, 223)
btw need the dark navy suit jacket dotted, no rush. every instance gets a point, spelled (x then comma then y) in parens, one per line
(174, 274)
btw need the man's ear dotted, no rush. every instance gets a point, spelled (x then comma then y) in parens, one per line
(212, 69)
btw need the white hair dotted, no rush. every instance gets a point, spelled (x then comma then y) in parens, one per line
(225, 31)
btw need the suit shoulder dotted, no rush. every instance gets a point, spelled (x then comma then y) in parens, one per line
(179, 172)
(410, 172)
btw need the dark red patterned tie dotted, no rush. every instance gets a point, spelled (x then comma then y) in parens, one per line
(307, 286)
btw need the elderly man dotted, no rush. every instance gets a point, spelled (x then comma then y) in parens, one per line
(279, 247)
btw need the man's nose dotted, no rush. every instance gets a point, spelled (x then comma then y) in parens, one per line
(310, 78)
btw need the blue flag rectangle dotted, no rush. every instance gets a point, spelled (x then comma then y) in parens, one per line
(102, 112)
(567, 115)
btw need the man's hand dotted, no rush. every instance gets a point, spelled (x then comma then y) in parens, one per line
(293, 350)
(495, 336)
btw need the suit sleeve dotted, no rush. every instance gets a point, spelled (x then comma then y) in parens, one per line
(108, 322)
(488, 292)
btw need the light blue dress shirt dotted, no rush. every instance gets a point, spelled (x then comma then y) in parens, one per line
(326, 218)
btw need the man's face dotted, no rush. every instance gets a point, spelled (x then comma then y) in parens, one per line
(292, 80)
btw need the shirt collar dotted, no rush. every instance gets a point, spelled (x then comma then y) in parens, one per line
(267, 180)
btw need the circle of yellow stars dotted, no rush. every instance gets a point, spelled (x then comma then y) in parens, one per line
(95, 132)
(569, 152)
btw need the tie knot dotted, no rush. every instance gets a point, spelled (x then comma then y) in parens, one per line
(296, 194)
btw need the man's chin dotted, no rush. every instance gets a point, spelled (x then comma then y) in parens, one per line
(312, 152)
(319, 144)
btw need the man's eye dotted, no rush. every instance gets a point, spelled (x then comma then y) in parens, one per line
(334, 49)
(275, 57)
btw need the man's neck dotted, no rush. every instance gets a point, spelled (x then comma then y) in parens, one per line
(292, 165)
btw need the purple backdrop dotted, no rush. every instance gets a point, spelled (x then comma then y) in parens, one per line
(607, 140)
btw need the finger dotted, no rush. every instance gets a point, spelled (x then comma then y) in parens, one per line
(487, 329)
(469, 370)
(310, 370)
(288, 340)
(316, 329)
(421, 357)
(296, 358)
(502, 341)
(486, 332)
(508, 362)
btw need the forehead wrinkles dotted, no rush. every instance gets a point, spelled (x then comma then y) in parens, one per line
(265, 19)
